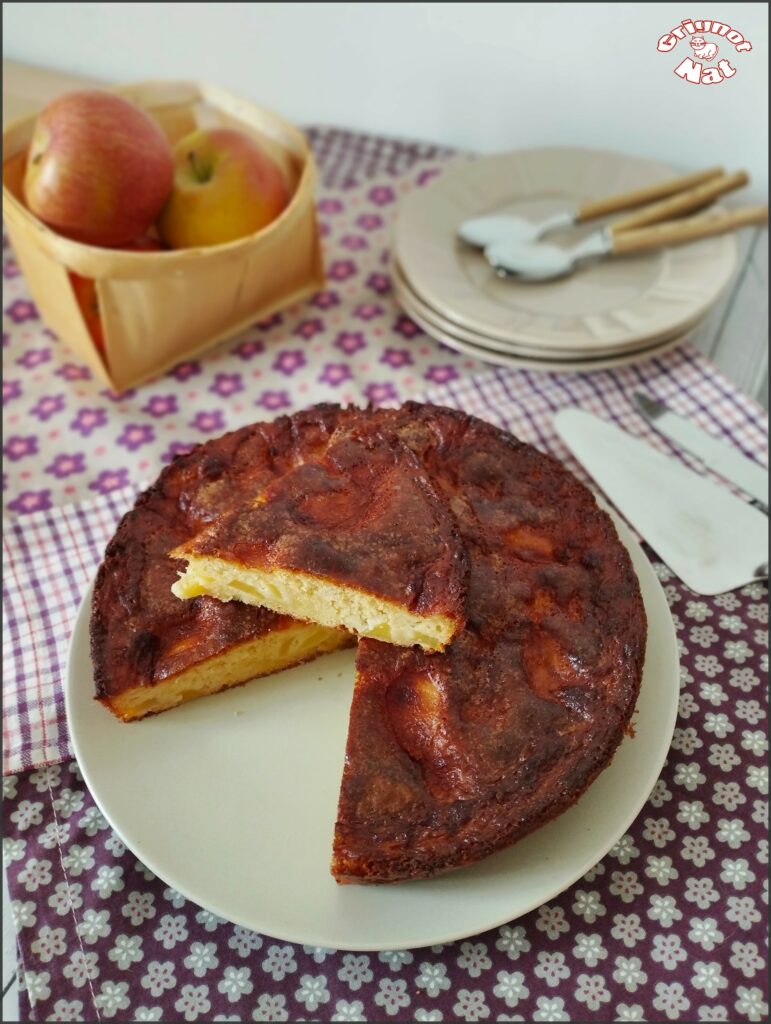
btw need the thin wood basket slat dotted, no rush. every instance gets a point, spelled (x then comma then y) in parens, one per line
(160, 308)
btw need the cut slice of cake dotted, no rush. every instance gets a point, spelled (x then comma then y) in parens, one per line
(151, 651)
(358, 538)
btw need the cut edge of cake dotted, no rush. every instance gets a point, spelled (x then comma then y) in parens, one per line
(313, 599)
(283, 647)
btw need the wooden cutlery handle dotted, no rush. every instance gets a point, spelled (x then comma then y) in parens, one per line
(678, 232)
(626, 200)
(684, 202)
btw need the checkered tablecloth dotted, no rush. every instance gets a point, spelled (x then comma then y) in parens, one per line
(669, 926)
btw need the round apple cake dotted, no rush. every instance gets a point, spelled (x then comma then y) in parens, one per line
(451, 754)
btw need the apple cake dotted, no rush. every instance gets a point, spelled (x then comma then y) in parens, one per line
(356, 539)
(451, 754)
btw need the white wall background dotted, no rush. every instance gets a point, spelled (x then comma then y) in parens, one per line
(476, 75)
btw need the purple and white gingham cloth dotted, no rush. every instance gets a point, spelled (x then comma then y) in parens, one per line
(669, 926)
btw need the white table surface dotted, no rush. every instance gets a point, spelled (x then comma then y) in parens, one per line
(735, 336)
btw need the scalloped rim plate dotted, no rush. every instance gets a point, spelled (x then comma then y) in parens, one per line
(612, 303)
(232, 801)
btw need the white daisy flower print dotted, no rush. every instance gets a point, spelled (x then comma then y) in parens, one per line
(27, 814)
(93, 925)
(345, 1011)
(108, 880)
(512, 941)
(473, 958)
(270, 1008)
(396, 959)
(355, 971)
(79, 859)
(708, 977)
(590, 949)
(591, 991)
(23, 915)
(279, 962)
(671, 999)
(35, 873)
(664, 910)
(112, 997)
(588, 905)
(236, 983)
(433, 978)
(158, 977)
(706, 932)
(550, 1009)
(629, 973)
(312, 991)
(139, 907)
(13, 850)
(471, 1006)
(244, 941)
(49, 943)
(751, 1003)
(511, 987)
(171, 930)
(745, 957)
(201, 958)
(126, 951)
(551, 968)
(193, 1001)
(36, 984)
(82, 968)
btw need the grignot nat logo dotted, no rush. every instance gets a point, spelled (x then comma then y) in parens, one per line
(728, 42)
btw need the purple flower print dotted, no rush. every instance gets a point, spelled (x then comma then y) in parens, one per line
(184, 371)
(226, 384)
(325, 300)
(341, 270)
(369, 221)
(335, 374)
(329, 206)
(249, 349)
(31, 501)
(16, 448)
(135, 435)
(367, 311)
(11, 389)
(350, 342)
(176, 448)
(110, 480)
(22, 310)
(11, 269)
(208, 422)
(161, 405)
(288, 361)
(34, 357)
(73, 371)
(308, 329)
(377, 393)
(66, 465)
(269, 322)
(441, 374)
(324, 229)
(428, 175)
(48, 406)
(273, 400)
(6, 339)
(396, 357)
(117, 396)
(407, 328)
(380, 283)
(88, 420)
(381, 195)
(354, 243)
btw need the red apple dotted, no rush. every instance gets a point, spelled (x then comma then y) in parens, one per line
(225, 187)
(99, 168)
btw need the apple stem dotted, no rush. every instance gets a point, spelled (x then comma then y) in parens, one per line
(198, 170)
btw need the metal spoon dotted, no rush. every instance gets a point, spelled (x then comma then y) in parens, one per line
(543, 262)
(483, 231)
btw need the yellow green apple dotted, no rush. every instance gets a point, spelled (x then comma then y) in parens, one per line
(225, 187)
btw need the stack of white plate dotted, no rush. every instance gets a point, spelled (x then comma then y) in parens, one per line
(606, 314)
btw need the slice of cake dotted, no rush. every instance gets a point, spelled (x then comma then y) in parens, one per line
(358, 538)
(152, 651)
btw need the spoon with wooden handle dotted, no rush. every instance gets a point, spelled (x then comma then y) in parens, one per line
(483, 231)
(542, 262)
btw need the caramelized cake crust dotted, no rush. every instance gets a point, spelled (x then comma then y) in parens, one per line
(149, 649)
(453, 756)
(357, 538)
(450, 756)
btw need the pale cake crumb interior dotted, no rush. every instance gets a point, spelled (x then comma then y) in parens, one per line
(315, 600)
(279, 649)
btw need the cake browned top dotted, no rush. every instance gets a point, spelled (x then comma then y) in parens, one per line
(452, 756)
(364, 514)
(140, 633)
(449, 756)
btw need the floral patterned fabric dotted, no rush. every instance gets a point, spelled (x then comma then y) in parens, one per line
(670, 925)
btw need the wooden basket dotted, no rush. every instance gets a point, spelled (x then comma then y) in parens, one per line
(159, 308)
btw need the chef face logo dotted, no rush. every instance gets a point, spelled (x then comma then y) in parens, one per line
(704, 67)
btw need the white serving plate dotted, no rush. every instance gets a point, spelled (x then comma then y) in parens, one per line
(232, 800)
